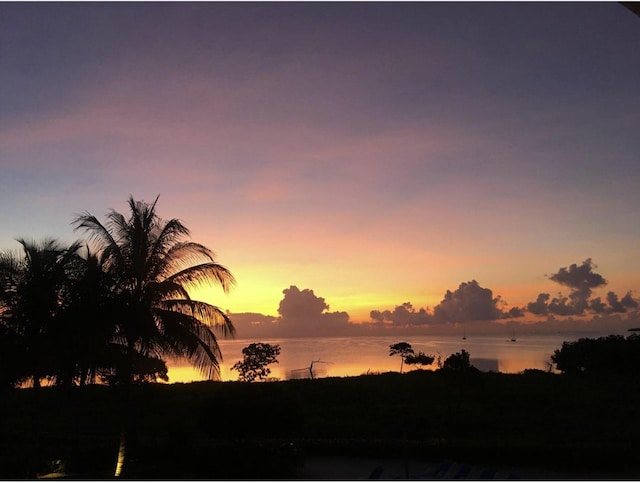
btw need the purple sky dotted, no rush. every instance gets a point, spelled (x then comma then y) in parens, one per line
(376, 153)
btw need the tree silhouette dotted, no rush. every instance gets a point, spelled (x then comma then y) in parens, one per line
(88, 331)
(458, 362)
(34, 297)
(403, 349)
(610, 355)
(420, 359)
(154, 316)
(257, 356)
(153, 269)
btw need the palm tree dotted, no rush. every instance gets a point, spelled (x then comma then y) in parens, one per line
(87, 323)
(33, 297)
(154, 269)
(155, 316)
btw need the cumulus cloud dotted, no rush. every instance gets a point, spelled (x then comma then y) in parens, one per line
(581, 280)
(515, 312)
(298, 304)
(597, 306)
(304, 313)
(469, 302)
(579, 277)
(621, 305)
(540, 306)
(628, 301)
(614, 303)
(402, 315)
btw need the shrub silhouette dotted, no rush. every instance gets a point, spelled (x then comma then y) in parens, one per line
(612, 354)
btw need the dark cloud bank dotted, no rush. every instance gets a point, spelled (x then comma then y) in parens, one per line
(302, 313)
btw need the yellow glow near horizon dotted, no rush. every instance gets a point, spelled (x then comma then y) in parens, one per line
(255, 296)
(265, 300)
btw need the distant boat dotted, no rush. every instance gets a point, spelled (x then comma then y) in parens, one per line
(513, 335)
(464, 333)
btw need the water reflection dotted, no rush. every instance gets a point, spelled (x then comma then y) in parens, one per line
(353, 356)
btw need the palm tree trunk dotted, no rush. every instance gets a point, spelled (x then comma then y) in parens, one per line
(126, 413)
(34, 456)
(127, 421)
(122, 454)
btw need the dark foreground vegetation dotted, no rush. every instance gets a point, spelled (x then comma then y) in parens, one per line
(233, 430)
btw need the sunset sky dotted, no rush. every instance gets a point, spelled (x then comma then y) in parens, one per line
(375, 153)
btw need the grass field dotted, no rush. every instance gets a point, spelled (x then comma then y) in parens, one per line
(231, 430)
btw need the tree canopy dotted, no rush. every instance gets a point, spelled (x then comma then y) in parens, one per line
(403, 349)
(613, 354)
(257, 356)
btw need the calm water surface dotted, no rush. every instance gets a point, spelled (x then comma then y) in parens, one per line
(353, 356)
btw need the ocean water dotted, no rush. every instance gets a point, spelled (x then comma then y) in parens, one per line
(354, 356)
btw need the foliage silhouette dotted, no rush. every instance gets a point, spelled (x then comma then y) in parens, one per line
(608, 355)
(458, 362)
(420, 359)
(35, 297)
(257, 356)
(403, 349)
(153, 270)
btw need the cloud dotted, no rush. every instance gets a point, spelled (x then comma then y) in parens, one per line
(621, 305)
(581, 279)
(402, 315)
(469, 302)
(303, 313)
(597, 306)
(540, 306)
(628, 301)
(515, 312)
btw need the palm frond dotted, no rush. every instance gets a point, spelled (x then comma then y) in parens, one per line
(185, 254)
(205, 274)
(100, 234)
(167, 289)
(185, 337)
(168, 235)
(205, 313)
(117, 227)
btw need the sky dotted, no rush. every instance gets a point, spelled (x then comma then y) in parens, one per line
(341, 157)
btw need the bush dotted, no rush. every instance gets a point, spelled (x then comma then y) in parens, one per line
(612, 354)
